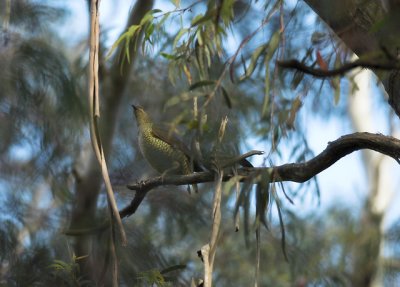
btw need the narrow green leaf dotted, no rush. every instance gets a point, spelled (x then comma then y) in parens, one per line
(127, 37)
(226, 97)
(284, 192)
(61, 264)
(283, 240)
(56, 266)
(149, 31)
(266, 91)
(199, 37)
(172, 101)
(177, 3)
(163, 19)
(262, 199)
(243, 200)
(273, 43)
(258, 205)
(295, 107)
(179, 36)
(201, 84)
(297, 79)
(168, 56)
(258, 257)
(197, 18)
(202, 19)
(131, 31)
(246, 217)
(336, 82)
(240, 200)
(173, 268)
(253, 61)
(148, 17)
(207, 54)
(172, 72)
(201, 61)
(127, 51)
(77, 258)
(154, 11)
(226, 11)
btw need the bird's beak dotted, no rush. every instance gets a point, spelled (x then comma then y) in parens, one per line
(137, 107)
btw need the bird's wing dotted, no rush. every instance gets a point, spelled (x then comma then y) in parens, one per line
(171, 138)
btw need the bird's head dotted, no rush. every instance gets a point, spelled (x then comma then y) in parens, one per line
(141, 116)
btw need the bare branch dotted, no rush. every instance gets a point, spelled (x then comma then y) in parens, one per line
(204, 254)
(295, 172)
(241, 159)
(319, 73)
(93, 98)
(216, 216)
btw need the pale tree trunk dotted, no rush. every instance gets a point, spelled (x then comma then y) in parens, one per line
(368, 268)
(370, 30)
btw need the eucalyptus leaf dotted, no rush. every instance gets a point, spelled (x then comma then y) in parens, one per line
(201, 84)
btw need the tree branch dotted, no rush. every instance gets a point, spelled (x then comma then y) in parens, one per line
(319, 73)
(295, 172)
(94, 107)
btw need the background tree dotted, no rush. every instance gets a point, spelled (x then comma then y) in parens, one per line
(190, 66)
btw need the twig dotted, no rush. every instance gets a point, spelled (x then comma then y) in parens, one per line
(207, 252)
(179, 10)
(319, 73)
(238, 159)
(95, 113)
(216, 216)
(204, 255)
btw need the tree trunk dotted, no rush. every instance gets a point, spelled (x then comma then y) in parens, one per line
(369, 29)
(368, 269)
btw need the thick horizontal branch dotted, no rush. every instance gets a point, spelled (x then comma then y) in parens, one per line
(319, 73)
(295, 172)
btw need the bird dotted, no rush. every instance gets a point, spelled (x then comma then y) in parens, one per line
(163, 150)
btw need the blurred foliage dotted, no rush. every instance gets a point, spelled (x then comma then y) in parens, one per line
(200, 62)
